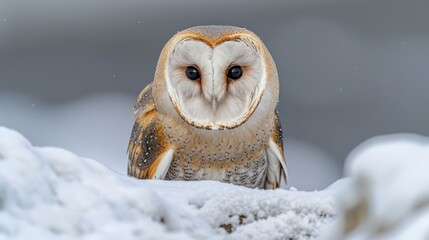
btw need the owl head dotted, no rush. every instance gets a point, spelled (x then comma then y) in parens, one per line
(216, 77)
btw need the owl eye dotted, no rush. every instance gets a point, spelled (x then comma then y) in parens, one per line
(192, 73)
(235, 72)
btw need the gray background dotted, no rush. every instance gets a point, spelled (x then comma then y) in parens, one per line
(350, 70)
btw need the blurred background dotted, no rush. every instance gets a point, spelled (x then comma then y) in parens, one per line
(350, 70)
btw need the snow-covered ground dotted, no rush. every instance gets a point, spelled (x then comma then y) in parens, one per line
(50, 193)
(387, 197)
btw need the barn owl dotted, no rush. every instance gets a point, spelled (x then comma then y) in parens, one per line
(209, 113)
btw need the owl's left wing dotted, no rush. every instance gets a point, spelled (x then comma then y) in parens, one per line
(149, 151)
(276, 159)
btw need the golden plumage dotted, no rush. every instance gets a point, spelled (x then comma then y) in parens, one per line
(215, 127)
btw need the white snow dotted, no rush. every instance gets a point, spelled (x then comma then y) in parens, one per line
(387, 197)
(50, 193)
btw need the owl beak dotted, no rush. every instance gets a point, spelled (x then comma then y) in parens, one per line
(214, 104)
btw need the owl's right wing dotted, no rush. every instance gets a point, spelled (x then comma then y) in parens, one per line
(149, 152)
(276, 160)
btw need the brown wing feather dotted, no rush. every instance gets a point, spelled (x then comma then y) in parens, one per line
(278, 139)
(277, 134)
(147, 142)
(276, 160)
(144, 101)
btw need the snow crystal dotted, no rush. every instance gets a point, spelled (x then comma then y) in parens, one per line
(50, 193)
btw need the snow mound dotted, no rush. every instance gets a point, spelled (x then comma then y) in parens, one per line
(50, 193)
(387, 197)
